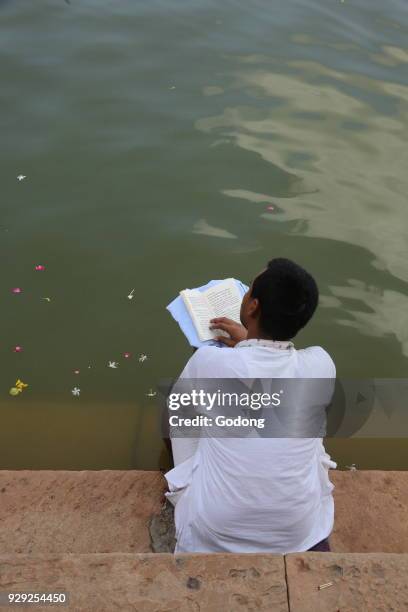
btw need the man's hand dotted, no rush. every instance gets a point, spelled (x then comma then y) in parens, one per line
(236, 331)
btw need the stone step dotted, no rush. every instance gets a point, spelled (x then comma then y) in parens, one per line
(102, 582)
(110, 511)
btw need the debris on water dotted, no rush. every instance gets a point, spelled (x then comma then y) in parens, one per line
(130, 296)
(151, 393)
(40, 268)
(172, 87)
(325, 586)
(352, 467)
(142, 358)
(21, 177)
(270, 208)
(113, 364)
(16, 290)
(18, 387)
(76, 391)
(47, 299)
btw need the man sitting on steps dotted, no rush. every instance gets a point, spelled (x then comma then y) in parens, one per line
(254, 494)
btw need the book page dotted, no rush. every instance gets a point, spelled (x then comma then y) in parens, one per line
(200, 312)
(225, 300)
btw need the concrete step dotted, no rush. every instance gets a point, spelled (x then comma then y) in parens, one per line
(110, 511)
(102, 582)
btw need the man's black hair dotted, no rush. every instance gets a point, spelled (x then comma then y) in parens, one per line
(288, 297)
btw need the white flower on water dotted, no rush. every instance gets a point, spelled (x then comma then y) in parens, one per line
(142, 358)
(130, 296)
(151, 393)
(351, 467)
(21, 177)
(113, 364)
(76, 391)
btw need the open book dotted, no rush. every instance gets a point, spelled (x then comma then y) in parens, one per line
(221, 300)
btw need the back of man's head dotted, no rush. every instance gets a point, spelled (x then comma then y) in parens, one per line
(288, 297)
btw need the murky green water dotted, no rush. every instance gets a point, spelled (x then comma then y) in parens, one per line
(155, 137)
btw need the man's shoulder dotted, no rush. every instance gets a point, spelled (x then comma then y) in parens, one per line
(319, 359)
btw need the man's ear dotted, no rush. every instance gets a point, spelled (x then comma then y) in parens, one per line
(253, 308)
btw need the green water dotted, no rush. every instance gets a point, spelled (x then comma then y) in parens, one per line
(154, 137)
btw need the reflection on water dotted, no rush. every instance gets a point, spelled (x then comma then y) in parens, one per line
(165, 145)
(348, 156)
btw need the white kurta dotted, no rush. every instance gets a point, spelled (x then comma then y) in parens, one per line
(252, 494)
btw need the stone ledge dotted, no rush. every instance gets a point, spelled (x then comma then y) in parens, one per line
(110, 511)
(152, 583)
(371, 510)
(358, 582)
(78, 512)
(213, 583)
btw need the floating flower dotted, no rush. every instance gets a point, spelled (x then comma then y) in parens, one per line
(20, 384)
(113, 364)
(271, 208)
(151, 393)
(21, 177)
(76, 371)
(130, 296)
(18, 387)
(127, 355)
(18, 349)
(40, 268)
(47, 299)
(16, 290)
(76, 392)
(142, 358)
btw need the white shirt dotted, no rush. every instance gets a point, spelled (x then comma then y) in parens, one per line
(252, 494)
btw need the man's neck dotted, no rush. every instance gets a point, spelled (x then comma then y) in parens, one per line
(257, 334)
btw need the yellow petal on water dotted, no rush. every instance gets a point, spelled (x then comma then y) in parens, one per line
(20, 385)
(14, 391)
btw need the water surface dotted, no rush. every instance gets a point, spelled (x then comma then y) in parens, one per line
(155, 137)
